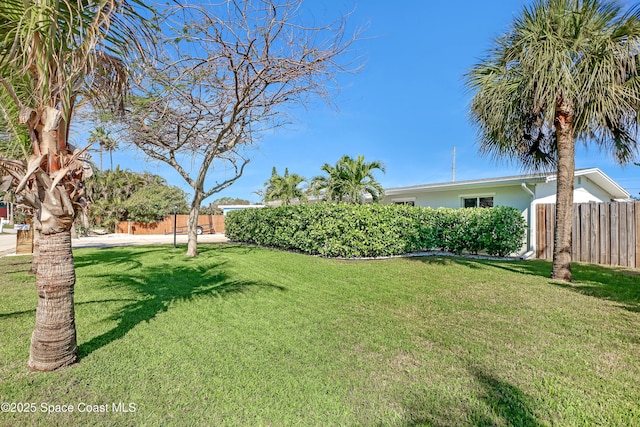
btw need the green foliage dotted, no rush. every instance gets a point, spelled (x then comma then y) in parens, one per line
(153, 202)
(111, 190)
(343, 230)
(350, 181)
(560, 57)
(284, 188)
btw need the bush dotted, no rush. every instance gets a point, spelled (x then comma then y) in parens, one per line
(348, 231)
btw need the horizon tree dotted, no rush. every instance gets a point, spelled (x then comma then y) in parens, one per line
(52, 55)
(284, 188)
(349, 180)
(103, 137)
(248, 62)
(566, 71)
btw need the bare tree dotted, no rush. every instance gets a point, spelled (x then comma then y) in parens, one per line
(226, 75)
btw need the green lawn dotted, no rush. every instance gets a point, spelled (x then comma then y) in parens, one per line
(246, 336)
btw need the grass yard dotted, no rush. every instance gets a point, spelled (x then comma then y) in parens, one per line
(244, 336)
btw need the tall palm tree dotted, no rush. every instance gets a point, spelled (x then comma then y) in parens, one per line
(284, 188)
(49, 59)
(102, 137)
(566, 71)
(110, 145)
(350, 180)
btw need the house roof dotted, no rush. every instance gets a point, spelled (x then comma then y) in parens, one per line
(594, 174)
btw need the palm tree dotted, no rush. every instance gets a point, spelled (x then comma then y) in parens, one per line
(110, 145)
(102, 136)
(284, 188)
(50, 60)
(566, 71)
(350, 180)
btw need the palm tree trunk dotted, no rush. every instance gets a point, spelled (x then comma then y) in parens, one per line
(53, 343)
(561, 268)
(36, 248)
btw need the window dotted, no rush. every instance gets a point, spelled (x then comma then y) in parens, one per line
(409, 201)
(474, 202)
(406, 202)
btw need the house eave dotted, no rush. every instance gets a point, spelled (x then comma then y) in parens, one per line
(476, 183)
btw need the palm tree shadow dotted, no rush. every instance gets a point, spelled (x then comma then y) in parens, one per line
(159, 288)
(502, 404)
(505, 400)
(618, 284)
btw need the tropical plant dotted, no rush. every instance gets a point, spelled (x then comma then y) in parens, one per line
(53, 54)
(102, 136)
(350, 180)
(284, 188)
(566, 71)
(110, 193)
(14, 144)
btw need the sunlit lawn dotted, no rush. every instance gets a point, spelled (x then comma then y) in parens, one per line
(247, 337)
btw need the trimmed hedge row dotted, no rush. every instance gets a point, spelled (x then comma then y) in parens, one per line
(350, 231)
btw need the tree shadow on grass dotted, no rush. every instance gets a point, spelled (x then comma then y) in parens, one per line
(618, 284)
(506, 401)
(158, 287)
(18, 264)
(501, 403)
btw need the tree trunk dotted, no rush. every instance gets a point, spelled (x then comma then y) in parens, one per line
(192, 229)
(53, 343)
(564, 198)
(36, 248)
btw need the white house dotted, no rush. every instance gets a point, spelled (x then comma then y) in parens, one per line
(228, 208)
(522, 192)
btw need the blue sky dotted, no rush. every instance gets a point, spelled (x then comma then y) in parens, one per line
(407, 108)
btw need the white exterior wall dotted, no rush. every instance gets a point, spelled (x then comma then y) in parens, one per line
(506, 195)
(585, 191)
(513, 196)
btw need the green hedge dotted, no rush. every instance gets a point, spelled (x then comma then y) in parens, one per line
(349, 231)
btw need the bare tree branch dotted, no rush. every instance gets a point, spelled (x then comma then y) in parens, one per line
(223, 77)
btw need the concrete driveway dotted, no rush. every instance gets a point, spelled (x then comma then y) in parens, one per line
(8, 240)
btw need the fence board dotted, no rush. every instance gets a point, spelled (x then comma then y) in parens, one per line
(603, 233)
(550, 220)
(541, 236)
(614, 232)
(594, 253)
(631, 236)
(576, 243)
(637, 219)
(583, 218)
(603, 236)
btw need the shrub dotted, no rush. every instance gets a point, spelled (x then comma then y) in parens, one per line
(342, 230)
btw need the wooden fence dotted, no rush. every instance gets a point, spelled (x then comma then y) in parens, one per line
(208, 222)
(602, 233)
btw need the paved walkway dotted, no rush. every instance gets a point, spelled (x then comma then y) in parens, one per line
(8, 240)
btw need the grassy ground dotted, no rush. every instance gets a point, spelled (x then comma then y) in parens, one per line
(247, 336)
